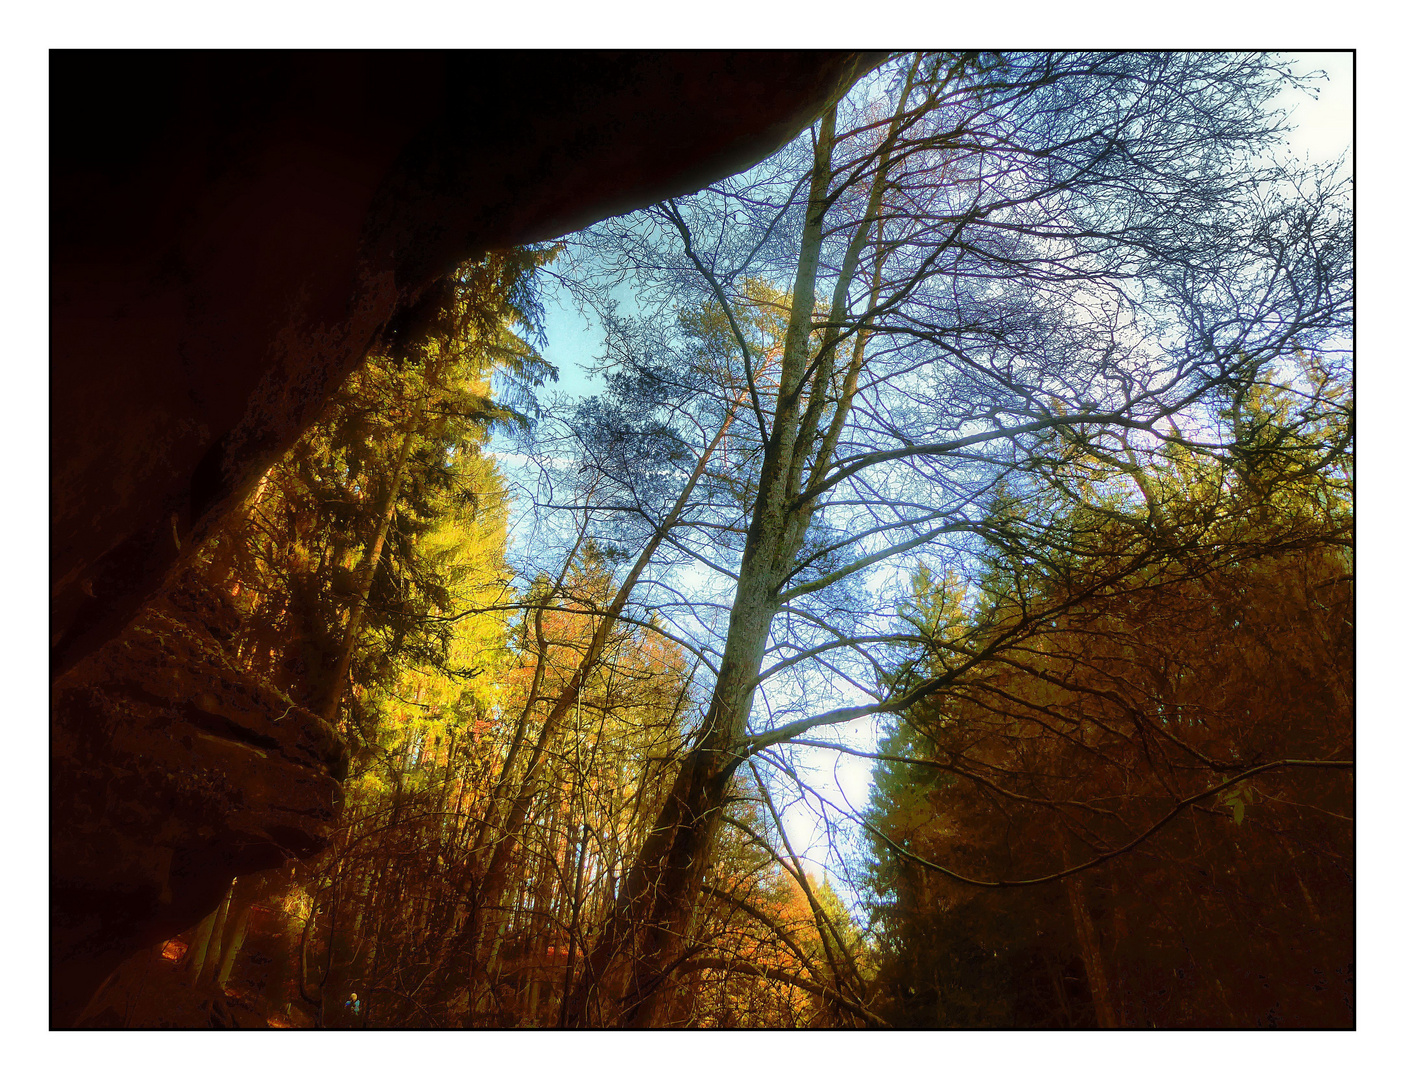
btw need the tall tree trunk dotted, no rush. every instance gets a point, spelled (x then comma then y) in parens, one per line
(234, 943)
(207, 954)
(650, 920)
(648, 926)
(332, 696)
(496, 876)
(1092, 953)
(199, 946)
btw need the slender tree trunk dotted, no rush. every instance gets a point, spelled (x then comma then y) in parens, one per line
(575, 925)
(206, 954)
(498, 797)
(303, 945)
(823, 927)
(331, 699)
(1092, 953)
(231, 949)
(495, 879)
(199, 946)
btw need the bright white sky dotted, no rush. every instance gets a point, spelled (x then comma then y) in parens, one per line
(1323, 127)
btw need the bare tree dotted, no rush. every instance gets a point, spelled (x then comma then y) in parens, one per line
(976, 270)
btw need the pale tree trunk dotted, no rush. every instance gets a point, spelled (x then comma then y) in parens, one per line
(207, 955)
(647, 930)
(199, 945)
(234, 942)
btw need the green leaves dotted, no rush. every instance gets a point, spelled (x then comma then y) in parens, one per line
(1236, 799)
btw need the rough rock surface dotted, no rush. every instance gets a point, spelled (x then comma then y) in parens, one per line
(172, 772)
(230, 232)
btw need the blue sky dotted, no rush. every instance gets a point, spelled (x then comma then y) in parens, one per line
(1323, 132)
(573, 343)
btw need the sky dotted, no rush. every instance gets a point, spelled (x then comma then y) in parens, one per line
(1323, 131)
(1324, 125)
(574, 342)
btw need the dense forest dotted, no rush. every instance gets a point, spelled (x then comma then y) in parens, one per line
(992, 442)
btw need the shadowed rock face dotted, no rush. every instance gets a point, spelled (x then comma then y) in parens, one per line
(230, 233)
(172, 772)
